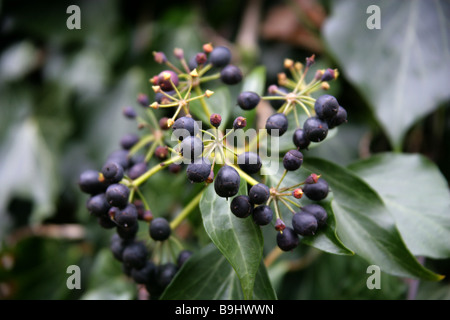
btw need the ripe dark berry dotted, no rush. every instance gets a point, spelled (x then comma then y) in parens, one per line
(326, 106)
(128, 233)
(318, 212)
(184, 127)
(129, 112)
(98, 205)
(160, 229)
(317, 191)
(231, 75)
(248, 100)
(312, 178)
(106, 222)
(161, 152)
(275, 122)
(227, 182)
(300, 139)
(128, 141)
(304, 224)
(89, 182)
(137, 170)
(328, 75)
(127, 217)
(163, 124)
(287, 240)
(191, 148)
(183, 256)
(292, 160)
(144, 274)
(135, 255)
(113, 172)
(259, 193)
(166, 273)
(262, 215)
(338, 119)
(201, 58)
(277, 103)
(117, 195)
(121, 157)
(239, 123)
(316, 130)
(166, 78)
(249, 162)
(142, 99)
(199, 170)
(220, 56)
(215, 120)
(241, 206)
(117, 245)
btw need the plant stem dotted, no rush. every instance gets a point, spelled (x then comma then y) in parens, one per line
(202, 101)
(186, 211)
(244, 175)
(137, 182)
(281, 179)
(286, 204)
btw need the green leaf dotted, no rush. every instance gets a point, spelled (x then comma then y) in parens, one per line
(326, 239)
(219, 102)
(417, 196)
(402, 69)
(239, 240)
(208, 275)
(255, 81)
(365, 225)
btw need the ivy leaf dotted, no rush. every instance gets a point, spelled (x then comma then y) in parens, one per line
(365, 225)
(401, 69)
(417, 196)
(239, 240)
(208, 275)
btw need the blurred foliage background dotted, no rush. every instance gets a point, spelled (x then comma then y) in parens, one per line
(61, 96)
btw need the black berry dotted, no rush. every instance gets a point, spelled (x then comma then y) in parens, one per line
(249, 162)
(144, 274)
(135, 255)
(121, 157)
(220, 56)
(127, 217)
(160, 229)
(129, 112)
(262, 215)
(89, 182)
(241, 206)
(166, 273)
(259, 193)
(137, 170)
(300, 140)
(318, 212)
(129, 140)
(117, 195)
(316, 130)
(184, 127)
(231, 75)
(215, 120)
(239, 123)
(304, 224)
(316, 191)
(326, 106)
(248, 100)
(183, 256)
(98, 205)
(128, 233)
(191, 148)
(199, 170)
(106, 222)
(166, 78)
(287, 239)
(338, 119)
(113, 172)
(292, 160)
(227, 182)
(275, 122)
(117, 245)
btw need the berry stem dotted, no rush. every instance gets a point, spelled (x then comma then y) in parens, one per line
(152, 118)
(286, 204)
(210, 78)
(137, 182)
(141, 196)
(205, 69)
(294, 203)
(208, 133)
(203, 102)
(244, 175)
(186, 211)
(176, 242)
(281, 179)
(301, 104)
(142, 142)
(150, 152)
(131, 196)
(296, 117)
(277, 209)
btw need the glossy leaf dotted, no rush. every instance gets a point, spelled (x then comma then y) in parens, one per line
(417, 196)
(401, 69)
(365, 225)
(239, 240)
(207, 275)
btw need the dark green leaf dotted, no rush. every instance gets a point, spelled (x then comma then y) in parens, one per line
(239, 240)
(365, 225)
(208, 275)
(402, 69)
(416, 195)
